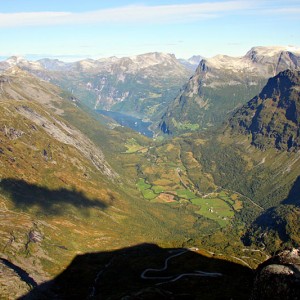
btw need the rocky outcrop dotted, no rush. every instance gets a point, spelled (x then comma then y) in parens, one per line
(12, 133)
(279, 277)
(66, 134)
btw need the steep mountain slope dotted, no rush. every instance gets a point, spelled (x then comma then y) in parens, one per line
(272, 118)
(270, 123)
(49, 170)
(16, 85)
(141, 85)
(223, 83)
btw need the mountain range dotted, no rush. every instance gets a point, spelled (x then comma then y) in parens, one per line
(141, 85)
(221, 84)
(80, 195)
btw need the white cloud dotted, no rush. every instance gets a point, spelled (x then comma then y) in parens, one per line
(31, 18)
(285, 11)
(127, 14)
(278, 7)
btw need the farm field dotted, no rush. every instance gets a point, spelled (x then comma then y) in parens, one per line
(219, 207)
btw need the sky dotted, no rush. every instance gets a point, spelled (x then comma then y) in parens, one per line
(71, 30)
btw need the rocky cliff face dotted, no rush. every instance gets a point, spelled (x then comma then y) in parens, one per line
(273, 117)
(19, 86)
(279, 277)
(222, 83)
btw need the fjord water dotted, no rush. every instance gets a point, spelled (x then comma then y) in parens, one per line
(134, 123)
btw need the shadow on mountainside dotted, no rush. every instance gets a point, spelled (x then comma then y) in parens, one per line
(21, 273)
(118, 275)
(277, 219)
(294, 194)
(51, 202)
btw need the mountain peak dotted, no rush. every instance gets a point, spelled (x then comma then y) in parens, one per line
(271, 50)
(283, 81)
(153, 58)
(272, 118)
(14, 60)
(15, 70)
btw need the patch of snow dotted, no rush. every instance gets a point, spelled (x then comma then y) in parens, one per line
(237, 64)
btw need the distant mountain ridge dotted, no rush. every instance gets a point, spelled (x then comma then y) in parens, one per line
(223, 83)
(192, 62)
(140, 85)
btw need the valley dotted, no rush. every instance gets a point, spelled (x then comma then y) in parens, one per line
(92, 209)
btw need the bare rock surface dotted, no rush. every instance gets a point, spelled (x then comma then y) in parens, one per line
(278, 277)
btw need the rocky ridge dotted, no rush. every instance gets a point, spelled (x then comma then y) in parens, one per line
(272, 118)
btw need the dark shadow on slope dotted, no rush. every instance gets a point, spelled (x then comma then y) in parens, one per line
(270, 220)
(117, 275)
(275, 219)
(294, 195)
(52, 202)
(21, 273)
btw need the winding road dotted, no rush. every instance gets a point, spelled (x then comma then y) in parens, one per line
(176, 277)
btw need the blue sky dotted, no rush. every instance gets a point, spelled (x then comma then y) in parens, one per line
(72, 30)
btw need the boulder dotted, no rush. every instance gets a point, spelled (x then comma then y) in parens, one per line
(278, 277)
